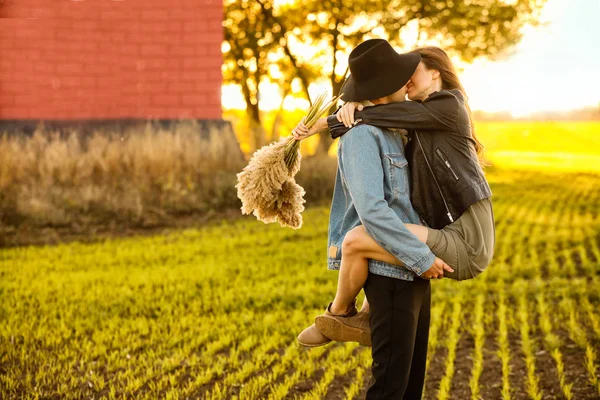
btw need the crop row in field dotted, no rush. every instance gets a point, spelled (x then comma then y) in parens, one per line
(213, 313)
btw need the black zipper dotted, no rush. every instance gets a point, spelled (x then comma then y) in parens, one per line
(434, 179)
(447, 163)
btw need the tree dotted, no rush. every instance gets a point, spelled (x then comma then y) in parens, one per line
(257, 41)
(249, 37)
(255, 29)
(469, 28)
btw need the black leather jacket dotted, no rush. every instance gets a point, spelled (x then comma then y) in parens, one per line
(446, 177)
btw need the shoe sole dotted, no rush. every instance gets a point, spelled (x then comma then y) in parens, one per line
(336, 330)
(313, 345)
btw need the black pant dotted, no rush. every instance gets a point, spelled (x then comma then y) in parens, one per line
(399, 318)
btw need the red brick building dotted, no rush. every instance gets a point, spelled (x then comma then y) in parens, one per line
(107, 60)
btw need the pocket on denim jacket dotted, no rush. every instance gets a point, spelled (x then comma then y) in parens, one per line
(398, 171)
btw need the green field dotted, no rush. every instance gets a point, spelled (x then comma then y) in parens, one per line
(214, 312)
(556, 145)
(560, 146)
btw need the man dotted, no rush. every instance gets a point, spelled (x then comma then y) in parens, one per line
(371, 189)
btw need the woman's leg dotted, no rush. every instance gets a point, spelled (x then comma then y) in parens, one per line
(357, 248)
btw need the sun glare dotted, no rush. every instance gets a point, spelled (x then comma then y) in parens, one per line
(522, 83)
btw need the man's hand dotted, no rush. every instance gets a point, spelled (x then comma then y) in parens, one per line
(346, 113)
(437, 269)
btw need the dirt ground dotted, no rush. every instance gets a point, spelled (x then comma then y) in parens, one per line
(26, 234)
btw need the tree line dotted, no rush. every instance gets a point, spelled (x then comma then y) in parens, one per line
(301, 41)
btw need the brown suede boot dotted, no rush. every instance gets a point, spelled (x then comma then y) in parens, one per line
(312, 337)
(345, 328)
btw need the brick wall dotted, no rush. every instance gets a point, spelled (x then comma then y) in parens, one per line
(107, 59)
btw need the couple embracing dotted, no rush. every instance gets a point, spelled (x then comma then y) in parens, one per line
(410, 203)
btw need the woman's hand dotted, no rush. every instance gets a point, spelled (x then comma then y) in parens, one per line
(301, 131)
(346, 113)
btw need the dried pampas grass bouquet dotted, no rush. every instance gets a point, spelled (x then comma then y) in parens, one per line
(266, 186)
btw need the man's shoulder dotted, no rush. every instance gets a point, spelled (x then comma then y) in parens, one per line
(365, 135)
(362, 132)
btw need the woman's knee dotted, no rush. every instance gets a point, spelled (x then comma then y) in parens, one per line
(353, 240)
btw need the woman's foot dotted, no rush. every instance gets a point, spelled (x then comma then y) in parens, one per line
(312, 337)
(345, 328)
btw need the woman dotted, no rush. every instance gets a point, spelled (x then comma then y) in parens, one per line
(448, 186)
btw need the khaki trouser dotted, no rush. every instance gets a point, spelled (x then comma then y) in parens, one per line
(467, 244)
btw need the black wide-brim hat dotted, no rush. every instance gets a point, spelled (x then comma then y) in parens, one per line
(377, 70)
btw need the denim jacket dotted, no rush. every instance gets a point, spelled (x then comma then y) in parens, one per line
(372, 189)
(445, 172)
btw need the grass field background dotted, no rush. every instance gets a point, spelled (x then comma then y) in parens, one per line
(213, 312)
(556, 145)
(563, 146)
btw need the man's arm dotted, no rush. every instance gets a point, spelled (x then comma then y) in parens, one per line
(362, 172)
(440, 112)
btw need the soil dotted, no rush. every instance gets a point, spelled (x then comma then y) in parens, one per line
(491, 378)
(27, 234)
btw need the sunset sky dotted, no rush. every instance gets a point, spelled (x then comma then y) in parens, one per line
(555, 67)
